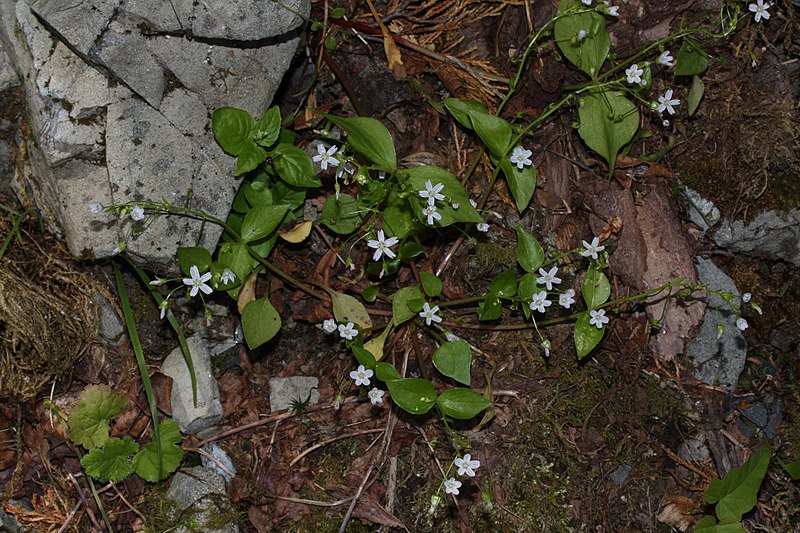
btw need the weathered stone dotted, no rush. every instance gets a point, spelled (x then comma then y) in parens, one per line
(770, 234)
(120, 96)
(718, 359)
(701, 211)
(8, 76)
(284, 391)
(203, 491)
(208, 411)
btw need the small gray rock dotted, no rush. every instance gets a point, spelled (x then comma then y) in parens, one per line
(620, 474)
(701, 211)
(203, 490)
(718, 359)
(770, 234)
(284, 391)
(208, 411)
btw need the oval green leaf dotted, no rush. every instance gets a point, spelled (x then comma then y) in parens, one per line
(415, 395)
(261, 221)
(589, 53)
(462, 110)
(453, 359)
(386, 372)
(522, 183)
(341, 215)
(530, 255)
(370, 138)
(348, 309)
(295, 167)
(608, 121)
(595, 288)
(364, 357)
(193, 256)
(406, 304)
(231, 128)
(495, 132)
(461, 403)
(431, 284)
(266, 129)
(587, 336)
(260, 322)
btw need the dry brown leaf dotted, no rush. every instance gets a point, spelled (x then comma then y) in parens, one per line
(679, 512)
(298, 232)
(247, 294)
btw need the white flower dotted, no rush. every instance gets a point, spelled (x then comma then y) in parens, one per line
(163, 307)
(435, 501)
(757, 308)
(329, 325)
(429, 313)
(548, 278)
(741, 323)
(760, 10)
(666, 102)
(746, 297)
(592, 249)
(348, 332)
(611, 10)
(665, 59)
(346, 167)
(227, 276)
(634, 74)
(483, 227)
(137, 213)
(521, 157)
(665, 123)
(455, 205)
(451, 486)
(467, 465)
(382, 245)
(586, 2)
(325, 157)
(451, 337)
(598, 318)
(375, 395)
(567, 298)
(361, 375)
(539, 301)
(95, 208)
(381, 174)
(432, 192)
(581, 35)
(473, 203)
(546, 347)
(432, 213)
(197, 282)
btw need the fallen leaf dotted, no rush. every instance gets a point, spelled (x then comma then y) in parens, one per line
(297, 233)
(679, 512)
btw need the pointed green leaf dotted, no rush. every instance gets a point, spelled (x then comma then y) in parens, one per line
(595, 288)
(431, 284)
(737, 493)
(193, 256)
(587, 336)
(589, 53)
(364, 357)
(406, 303)
(495, 132)
(608, 122)
(522, 183)
(260, 322)
(415, 395)
(695, 94)
(112, 462)
(341, 214)
(490, 308)
(463, 109)
(89, 419)
(295, 167)
(386, 372)
(231, 128)
(266, 130)
(461, 403)
(250, 156)
(348, 309)
(454, 359)
(262, 220)
(709, 525)
(692, 59)
(504, 285)
(375, 345)
(146, 462)
(793, 469)
(370, 138)
(529, 252)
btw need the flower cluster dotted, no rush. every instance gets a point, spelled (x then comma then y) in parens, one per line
(361, 375)
(466, 465)
(432, 193)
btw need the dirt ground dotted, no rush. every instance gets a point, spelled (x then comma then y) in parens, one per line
(596, 445)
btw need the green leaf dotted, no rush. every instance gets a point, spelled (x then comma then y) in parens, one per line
(692, 60)
(453, 359)
(236, 257)
(348, 309)
(409, 250)
(587, 336)
(415, 395)
(194, 256)
(250, 156)
(112, 462)
(608, 122)
(406, 303)
(709, 525)
(453, 192)
(462, 110)
(262, 220)
(431, 284)
(232, 128)
(364, 357)
(529, 252)
(695, 94)
(587, 54)
(399, 219)
(386, 372)
(461, 403)
(375, 345)
(505, 285)
(286, 194)
(595, 288)
(522, 183)
(341, 215)
(146, 462)
(737, 493)
(260, 322)
(495, 132)
(257, 193)
(793, 469)
(370, 138)
(88, 420)
(526, 289)
(490, 308)
(266, 130)
(370, 293)
(295, 167)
